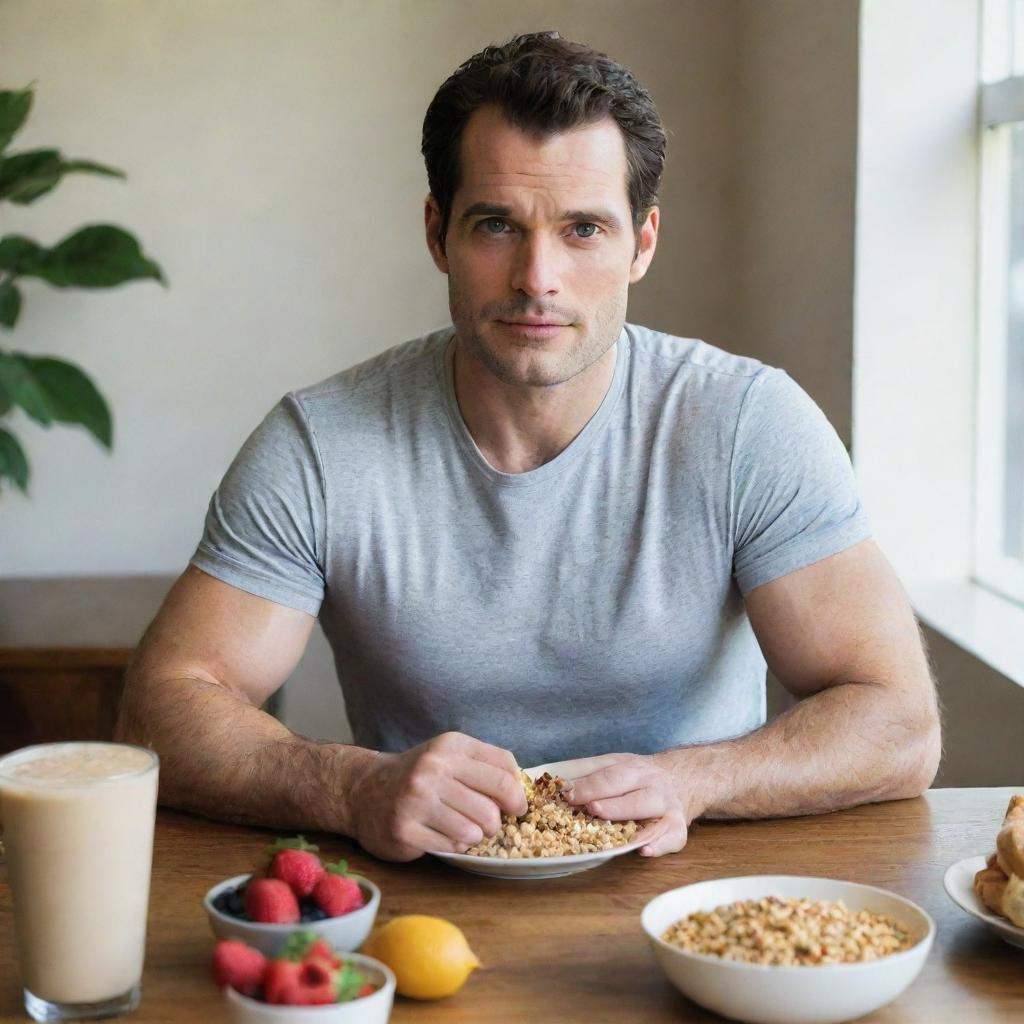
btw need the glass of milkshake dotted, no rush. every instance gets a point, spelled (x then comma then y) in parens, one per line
(78, 827)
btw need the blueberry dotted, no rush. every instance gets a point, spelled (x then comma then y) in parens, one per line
(318, 914)
(222, 901)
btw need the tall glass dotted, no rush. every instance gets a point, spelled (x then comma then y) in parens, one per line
(78, 828)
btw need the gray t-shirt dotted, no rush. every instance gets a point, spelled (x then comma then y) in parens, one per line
(593, 604)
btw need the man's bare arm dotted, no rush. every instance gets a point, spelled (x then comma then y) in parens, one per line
(214, 654)
(193, 692)
(839, 635)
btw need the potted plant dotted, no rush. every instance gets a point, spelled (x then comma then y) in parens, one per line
(51, 390)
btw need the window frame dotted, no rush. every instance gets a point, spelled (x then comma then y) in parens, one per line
(1001, 100)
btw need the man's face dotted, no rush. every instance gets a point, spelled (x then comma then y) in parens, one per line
(540, 249)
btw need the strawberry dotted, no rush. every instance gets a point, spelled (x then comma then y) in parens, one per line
(281, 982)
(299, 984)
(366, 990)
(322, 951)
(296, 862)
(271, 901)
(238, 965)
(338, 893)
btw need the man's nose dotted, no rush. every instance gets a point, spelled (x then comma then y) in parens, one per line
(536, 267)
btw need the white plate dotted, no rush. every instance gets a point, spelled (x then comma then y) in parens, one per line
(762, 994)
(543, 867)
(959, 883)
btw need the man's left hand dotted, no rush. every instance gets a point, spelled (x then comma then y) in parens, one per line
(636, 786)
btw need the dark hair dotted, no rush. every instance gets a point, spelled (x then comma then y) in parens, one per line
(544, 84)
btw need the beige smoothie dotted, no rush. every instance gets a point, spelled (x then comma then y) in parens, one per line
(78, 828)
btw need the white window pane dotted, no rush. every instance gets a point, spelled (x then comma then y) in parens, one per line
(1013, 489)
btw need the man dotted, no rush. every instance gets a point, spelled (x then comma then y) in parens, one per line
(539, 534)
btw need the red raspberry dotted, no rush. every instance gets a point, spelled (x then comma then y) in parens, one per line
(271, 901)
(238, 965)
(299, 869)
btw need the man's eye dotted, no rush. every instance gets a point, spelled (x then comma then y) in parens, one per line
(494, 225)
(585, 230)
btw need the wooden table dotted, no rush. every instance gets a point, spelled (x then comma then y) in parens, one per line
(571, 949)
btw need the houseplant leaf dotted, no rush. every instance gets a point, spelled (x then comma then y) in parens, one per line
(14, 108)
(10, 304)
(13, 463)
(19, 383)
(71, 396)
(24, 177)
(17, 253)
(98, 256)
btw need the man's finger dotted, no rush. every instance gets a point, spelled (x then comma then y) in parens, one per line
(492, 755)
(641, 803)
(478, 808)
(671, 838)
(452, 824)
(606, 782)
(490, 781)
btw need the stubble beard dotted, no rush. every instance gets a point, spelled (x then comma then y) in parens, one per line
(543, 369)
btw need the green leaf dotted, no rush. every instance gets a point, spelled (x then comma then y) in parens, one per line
(18, 381)
(348, 982)
(24, 177)
(341, 868)
(297, 843)
(14, 108)
(99, 256)
(71, 396)
(13, 463)
(296, 946)
(10, 303)
(18, 254)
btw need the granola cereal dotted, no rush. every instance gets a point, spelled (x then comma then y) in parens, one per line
(551, 827)
(790, 933)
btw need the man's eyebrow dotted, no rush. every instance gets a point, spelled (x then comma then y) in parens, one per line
(605, 217)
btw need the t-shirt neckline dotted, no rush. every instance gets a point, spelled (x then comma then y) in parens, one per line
(566, 458)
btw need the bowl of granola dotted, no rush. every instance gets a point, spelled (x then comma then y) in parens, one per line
(552, 838)
(787, 949)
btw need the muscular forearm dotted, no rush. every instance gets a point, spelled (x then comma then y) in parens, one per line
(224, 758)
(852, 743)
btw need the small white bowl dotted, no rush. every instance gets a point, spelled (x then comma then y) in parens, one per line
(346, 933)
(375, 1009)
(760, 994)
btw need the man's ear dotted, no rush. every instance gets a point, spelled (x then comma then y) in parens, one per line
(435, 243)
(647, 242)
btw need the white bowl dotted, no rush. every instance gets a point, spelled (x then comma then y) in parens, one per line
(543, 867)
(345, 933)
(825, 994)
(375, 1009)
(959, 885)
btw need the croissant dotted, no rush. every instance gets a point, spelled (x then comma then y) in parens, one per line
(1000, 884)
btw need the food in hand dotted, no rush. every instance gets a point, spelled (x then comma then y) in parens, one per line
(302, 891)
(296, 863)
(271, 901)
(1000, 884)
(308, 972)
(789, 933)
(551, 827)
(430, 956)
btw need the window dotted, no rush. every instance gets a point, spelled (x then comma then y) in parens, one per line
(999, 540)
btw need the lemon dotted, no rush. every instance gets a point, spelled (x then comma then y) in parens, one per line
(429, 955)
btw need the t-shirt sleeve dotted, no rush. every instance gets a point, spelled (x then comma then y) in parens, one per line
(264, 529)
(794, 496)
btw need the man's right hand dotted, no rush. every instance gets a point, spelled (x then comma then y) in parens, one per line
(444, 795)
